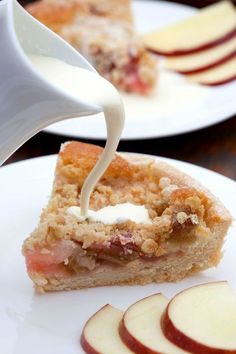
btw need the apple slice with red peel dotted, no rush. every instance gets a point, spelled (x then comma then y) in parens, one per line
(100, 334)
(140, 327)
(219, 75)
(202, 61)
(202, 319)
(211, 26)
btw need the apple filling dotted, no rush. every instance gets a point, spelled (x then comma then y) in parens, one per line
(68, 257)
(71, 246)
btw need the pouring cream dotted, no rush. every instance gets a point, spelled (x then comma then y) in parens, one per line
(91, 87)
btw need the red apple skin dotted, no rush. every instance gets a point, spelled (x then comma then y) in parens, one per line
(132, 343)
(182, 341)
(218, 83)
(209, 45)
(86, 346)
(83, 341)
(209, 66)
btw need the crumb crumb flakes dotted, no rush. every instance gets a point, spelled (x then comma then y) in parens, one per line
(194, 219)
(166, 192)
(164, 182)
(181, 217)
(45, 251)
(149, 246)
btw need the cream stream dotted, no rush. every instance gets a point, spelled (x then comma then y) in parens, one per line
(91, 87)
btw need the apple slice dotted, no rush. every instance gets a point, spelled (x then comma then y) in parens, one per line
(204, 60)
(218, 75)
(202, 319)
(140, 328)
(100, 333)
(211, 26)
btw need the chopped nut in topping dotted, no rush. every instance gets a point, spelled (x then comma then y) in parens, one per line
(164, 182)
(181, 217)
(166, 192)
(149, 246)
(194, 219)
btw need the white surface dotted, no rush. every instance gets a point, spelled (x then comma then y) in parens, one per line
(52, 323)
(176, 105)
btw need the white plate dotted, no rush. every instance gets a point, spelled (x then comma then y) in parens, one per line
(176, 105)
(52, 323)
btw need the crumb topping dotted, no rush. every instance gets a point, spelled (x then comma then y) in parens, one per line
(182, 214)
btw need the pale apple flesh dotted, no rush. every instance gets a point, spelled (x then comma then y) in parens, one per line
(202, 319)
(140, 328)
(202, 61)
(218, 75)
(210, 27)
(100, 334)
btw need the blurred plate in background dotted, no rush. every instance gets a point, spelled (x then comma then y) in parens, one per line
(175, 107)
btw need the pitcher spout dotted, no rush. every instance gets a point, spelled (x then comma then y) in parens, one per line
(28, 102)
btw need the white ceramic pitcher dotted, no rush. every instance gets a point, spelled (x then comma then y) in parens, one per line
(28, 102)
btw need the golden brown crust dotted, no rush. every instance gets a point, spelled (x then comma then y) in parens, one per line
(86, 155)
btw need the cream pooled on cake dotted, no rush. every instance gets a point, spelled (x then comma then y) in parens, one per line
(114, 214)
